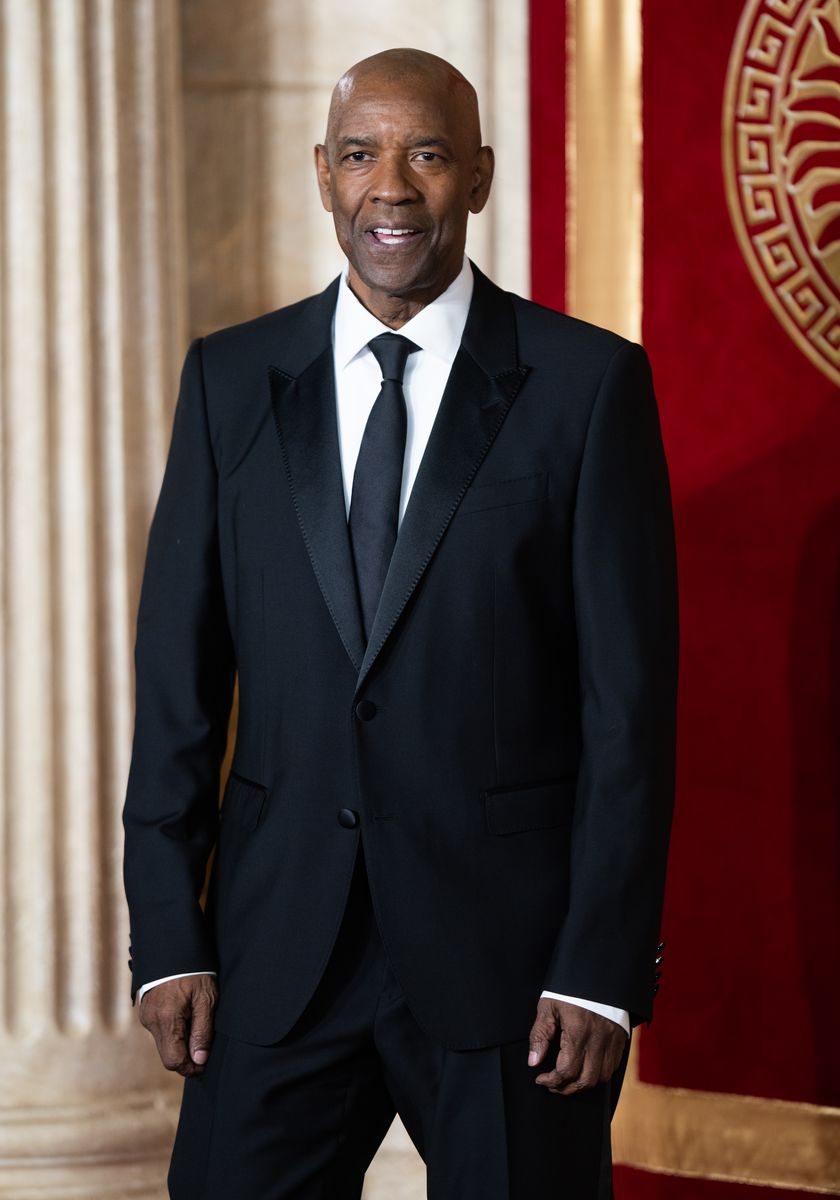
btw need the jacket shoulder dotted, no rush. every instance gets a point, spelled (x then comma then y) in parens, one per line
(283, 337)
(547, 337)
(236, 363)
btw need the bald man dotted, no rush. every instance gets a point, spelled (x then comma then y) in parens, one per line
(427, 525)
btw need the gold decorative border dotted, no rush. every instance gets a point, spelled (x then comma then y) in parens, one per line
(738, 1139)
(674, 1131)
(777, 258)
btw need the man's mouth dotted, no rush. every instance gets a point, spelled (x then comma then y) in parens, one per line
(387, 236)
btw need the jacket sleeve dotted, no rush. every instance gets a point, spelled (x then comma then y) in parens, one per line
(185, 668)
(626, 612)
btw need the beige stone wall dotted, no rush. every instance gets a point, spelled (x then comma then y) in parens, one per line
(257, 80)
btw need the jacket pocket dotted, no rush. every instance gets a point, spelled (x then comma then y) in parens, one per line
(243, 801)
(530, 806)
(500, 492)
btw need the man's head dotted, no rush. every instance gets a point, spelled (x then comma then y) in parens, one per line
(401, 168)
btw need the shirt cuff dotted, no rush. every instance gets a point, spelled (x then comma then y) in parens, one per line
(154, 982)
(619, 1015)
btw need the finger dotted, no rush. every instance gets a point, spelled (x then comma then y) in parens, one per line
(171, 1041)
(562, 1085)
(593, 1067)
(201, 1028)
(613, 1057)
(542, 1031)
(596, 1068)
(568, 1063)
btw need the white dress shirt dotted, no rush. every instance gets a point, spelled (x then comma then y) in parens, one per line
(437, 329)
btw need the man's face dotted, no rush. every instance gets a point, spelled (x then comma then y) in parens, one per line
(402, 171)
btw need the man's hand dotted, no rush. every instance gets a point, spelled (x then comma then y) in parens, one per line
(590, 1048)
(179, 1016)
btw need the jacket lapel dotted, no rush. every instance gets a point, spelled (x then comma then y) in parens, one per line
(304, 413)
(482, 386)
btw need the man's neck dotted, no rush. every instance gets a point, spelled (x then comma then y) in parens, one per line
(395, 311)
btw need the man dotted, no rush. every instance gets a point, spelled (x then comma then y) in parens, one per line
(441, 564)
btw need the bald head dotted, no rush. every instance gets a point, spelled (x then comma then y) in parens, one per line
(414, 70)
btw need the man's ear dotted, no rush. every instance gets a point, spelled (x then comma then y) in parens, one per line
(485, 162)
(322, 169)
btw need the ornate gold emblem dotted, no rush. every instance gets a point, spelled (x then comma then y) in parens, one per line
(781, 158)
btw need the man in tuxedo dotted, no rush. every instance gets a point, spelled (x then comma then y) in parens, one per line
(427, 525)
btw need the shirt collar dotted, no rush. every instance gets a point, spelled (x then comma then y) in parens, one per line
(437, 328)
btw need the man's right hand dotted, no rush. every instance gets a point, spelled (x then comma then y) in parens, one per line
(179, 1016)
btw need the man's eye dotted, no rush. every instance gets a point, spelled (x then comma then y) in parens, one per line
(427, 155)
(357, 156)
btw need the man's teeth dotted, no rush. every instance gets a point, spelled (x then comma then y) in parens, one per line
(393, 235)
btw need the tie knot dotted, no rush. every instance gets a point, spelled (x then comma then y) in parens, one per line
(391, 351)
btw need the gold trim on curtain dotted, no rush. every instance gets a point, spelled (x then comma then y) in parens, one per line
(715, 1135)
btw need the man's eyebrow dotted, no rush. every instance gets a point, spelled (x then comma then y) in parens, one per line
(414, 144)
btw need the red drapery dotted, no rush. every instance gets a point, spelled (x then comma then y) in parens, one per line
(748, 1003)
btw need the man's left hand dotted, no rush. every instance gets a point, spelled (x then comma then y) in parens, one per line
(590, 1048)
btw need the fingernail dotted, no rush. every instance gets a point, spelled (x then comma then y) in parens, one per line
(533, 1058)
(199, 1056)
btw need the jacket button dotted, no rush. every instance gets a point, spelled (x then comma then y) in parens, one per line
(348, 818)
(365, 710)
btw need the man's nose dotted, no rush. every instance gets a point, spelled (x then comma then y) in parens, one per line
(393, 183)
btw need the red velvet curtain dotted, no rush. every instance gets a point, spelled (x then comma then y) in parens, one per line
(749, 999)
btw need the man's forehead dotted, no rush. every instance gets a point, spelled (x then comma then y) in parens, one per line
(419, 120)
(393, 94)
(415, 112)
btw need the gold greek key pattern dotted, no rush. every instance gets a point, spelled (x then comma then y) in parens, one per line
(774, 251)
(755, 94)
(781, 160)
(759, 200)
(787, 8)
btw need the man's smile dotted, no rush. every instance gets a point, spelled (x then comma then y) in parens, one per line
(387, 235)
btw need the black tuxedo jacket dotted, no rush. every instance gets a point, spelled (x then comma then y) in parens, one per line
(505, 740)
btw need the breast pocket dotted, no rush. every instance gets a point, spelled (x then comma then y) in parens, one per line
(499, 493)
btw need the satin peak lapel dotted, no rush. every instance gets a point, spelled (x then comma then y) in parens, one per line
(304, 413)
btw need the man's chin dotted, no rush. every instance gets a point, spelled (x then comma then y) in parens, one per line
(400, 280)
(392, 280)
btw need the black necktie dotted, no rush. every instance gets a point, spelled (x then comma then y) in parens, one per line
(375, 498)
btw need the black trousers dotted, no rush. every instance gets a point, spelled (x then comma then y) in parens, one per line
(302, 1119)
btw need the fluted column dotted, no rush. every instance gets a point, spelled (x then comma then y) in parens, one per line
(91, 331)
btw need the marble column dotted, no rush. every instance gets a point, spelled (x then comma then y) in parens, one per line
(92, 328)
